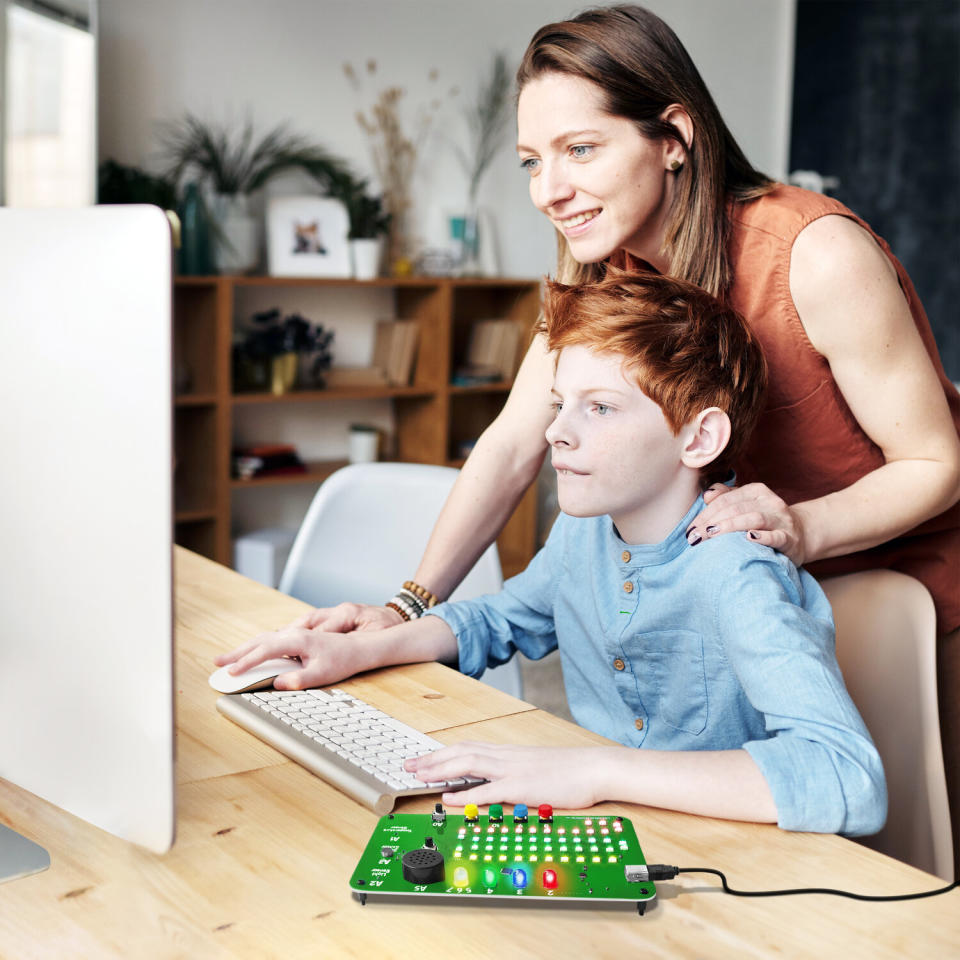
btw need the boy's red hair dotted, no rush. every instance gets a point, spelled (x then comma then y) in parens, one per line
(686, 350)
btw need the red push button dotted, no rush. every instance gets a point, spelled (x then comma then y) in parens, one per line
(545, 812)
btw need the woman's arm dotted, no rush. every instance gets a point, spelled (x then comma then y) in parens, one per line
(854, 313)
(504, 462)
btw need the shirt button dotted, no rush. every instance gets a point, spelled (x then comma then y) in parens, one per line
(628, 587)
(638, 723)
(625, 556)
(618, 664)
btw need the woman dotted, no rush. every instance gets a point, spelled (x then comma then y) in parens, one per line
(856, 462)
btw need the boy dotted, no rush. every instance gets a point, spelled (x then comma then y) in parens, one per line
(716, 657)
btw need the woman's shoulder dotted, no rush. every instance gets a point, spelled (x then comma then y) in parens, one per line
(784, 212)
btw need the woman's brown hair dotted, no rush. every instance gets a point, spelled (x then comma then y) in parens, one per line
(642, 68)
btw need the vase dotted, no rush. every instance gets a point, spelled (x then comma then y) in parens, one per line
(195, 259)
(283, 374)
(366, 253)
(465, 234)
(238, 247)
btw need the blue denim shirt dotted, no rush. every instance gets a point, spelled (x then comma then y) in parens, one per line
(714, 647)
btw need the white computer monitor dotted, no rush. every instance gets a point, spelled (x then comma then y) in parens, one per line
(86, 515)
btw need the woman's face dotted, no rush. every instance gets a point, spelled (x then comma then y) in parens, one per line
(600, 181)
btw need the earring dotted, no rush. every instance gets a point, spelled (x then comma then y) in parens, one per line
(675, 165)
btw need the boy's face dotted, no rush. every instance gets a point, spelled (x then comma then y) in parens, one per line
(613, 450)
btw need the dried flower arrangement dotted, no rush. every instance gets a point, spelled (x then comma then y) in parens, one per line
(486, 120)
(394, 154)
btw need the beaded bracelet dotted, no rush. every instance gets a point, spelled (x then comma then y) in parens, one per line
(413, 600)
(394, 606)
(422, 592)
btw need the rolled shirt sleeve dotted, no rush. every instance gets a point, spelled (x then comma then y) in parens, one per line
(819, 760)
(491, 628)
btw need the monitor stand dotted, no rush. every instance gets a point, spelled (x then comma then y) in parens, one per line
(20, 857)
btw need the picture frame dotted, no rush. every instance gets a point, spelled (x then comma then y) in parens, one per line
(307, 237)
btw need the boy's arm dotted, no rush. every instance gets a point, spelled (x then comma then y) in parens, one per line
(327, 658)
(821, 766)
(723, 783)
(490, 629)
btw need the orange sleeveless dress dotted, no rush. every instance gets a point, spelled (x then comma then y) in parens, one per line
(807, 443)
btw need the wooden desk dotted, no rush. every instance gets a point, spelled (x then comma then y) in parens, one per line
(264, 849)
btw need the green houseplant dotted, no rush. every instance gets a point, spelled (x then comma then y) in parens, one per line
(233, 162)
(369, 224)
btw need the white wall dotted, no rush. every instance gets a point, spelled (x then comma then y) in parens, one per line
(282, 60)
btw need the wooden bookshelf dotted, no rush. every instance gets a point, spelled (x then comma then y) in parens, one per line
(432, 417)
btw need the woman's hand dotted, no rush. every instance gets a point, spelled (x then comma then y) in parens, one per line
(561, 776)
(325, 657)
(755, 509)
(347, 617)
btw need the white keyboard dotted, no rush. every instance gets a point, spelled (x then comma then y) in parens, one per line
(353, 746)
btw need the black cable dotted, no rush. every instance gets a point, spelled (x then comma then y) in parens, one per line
(660, 871)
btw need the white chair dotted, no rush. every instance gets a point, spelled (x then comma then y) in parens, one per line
(364, 534)
(886, 647)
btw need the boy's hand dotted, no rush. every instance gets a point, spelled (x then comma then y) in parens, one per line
(325, 658)
(561, 776)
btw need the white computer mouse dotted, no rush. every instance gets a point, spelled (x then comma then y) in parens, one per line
(256, 678)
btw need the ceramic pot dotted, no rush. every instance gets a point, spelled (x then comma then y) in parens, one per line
(366, 254)
(238, 244)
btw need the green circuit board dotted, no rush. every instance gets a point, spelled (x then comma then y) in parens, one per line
(494, 854)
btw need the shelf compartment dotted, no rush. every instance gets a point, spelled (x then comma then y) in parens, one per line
(198, 535)
(316, 473)
(194, 338)
(195, 446)
(340, 393)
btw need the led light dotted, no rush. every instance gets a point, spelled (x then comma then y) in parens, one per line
(550, 879)
(460, 877)
(519, 878)
(489, 878)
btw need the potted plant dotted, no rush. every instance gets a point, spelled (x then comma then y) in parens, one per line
(369, 223)
(279, 353)
(232, 163)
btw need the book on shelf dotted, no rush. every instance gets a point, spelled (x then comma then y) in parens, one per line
(395, 350)
(266, 460)
(493, 353)
(338, 377)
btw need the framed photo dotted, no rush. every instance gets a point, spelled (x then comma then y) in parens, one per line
(307, 237)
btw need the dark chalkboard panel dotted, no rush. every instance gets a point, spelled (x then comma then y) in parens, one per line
(877, 103)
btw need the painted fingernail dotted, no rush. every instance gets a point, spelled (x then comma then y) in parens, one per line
(711, 529)
(754, 535)
(693, 543)
(686, 532)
